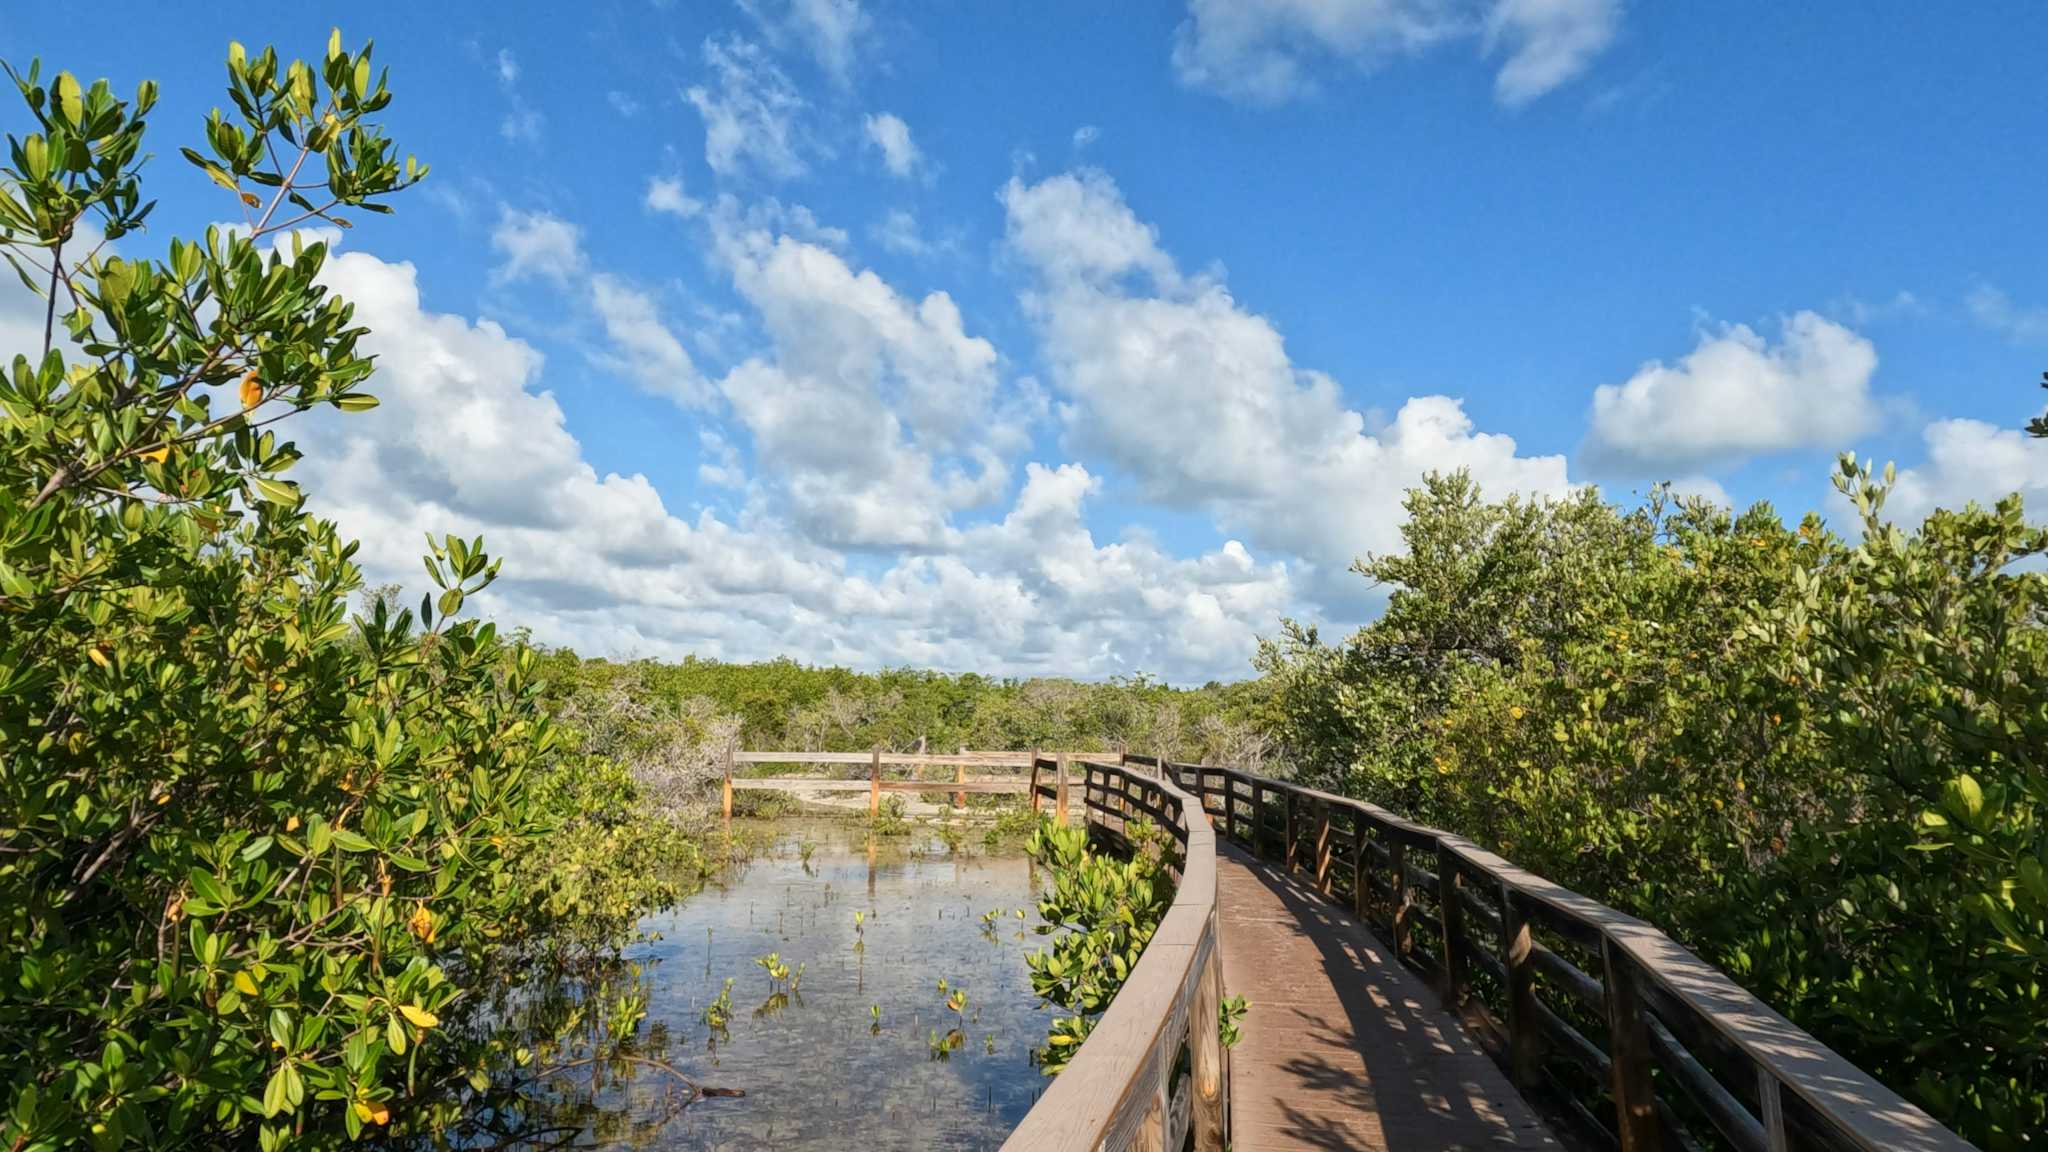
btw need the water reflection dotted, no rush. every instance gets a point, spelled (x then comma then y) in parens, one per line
(862, 1046)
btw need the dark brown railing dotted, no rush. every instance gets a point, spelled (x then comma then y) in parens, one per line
(1600, 1014)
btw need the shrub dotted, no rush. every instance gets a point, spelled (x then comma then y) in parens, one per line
(1816, 762)
(258, 861)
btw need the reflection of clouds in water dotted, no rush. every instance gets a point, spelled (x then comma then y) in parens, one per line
(817, 1072)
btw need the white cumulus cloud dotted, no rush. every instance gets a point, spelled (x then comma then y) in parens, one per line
(468, 441)
(1970, 460)
(1737, 395)
(1174, 381)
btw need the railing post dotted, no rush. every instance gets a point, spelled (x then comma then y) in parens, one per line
(1451, 925)
(726, 800)
(1518, 960)
(1323, 846)
(1288, 856)
(1397, 856)
(960, 775)
(1034, 781)
(1059, 804)
(875, 784)
(1635, 1102)
(1773, 1108)
(1361, 877)
(1258, 840)
(1205, 1054)
(1230, 807)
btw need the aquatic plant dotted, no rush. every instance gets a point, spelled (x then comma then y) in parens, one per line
(939, 1047)
(718, 1013)
(778, 972)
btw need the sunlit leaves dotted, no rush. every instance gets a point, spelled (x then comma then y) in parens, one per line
(229, 800)
(1814, 759)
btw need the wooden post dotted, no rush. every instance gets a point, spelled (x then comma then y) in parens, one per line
(1451, 926)
(727, 799)
(1518, 959)
(1635, 1102)
(1230, 807)
(875, 784)
(1397, 856)
(1059, 803)
(1361, 876)
(959, 775)
(1205, 1058)
(1034, 781)
(1323, 847)
(1287, 858)
(1773, 1109)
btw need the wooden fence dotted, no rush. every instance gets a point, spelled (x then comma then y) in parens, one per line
(1647, 1046)
(876, 780)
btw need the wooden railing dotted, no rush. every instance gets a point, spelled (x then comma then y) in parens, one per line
(1128, 1086)
(877, 780)
(1599, 1014)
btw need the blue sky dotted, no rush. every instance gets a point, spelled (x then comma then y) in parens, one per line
(1093, 339)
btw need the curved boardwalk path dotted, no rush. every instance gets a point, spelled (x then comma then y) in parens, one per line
(1344, 1048)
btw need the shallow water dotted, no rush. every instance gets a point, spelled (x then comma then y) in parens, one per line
(817, 1073)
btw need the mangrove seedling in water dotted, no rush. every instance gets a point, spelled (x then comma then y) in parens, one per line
(778, 972)
(939, 1047)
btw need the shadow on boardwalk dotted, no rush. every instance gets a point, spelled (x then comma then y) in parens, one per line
(1344, 1048)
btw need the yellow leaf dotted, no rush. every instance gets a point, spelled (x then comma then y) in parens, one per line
(373, 1111)
(291, 824)
(418, 1015)
(252, 391)
(159, 455)
(245, 983)
(98, 657)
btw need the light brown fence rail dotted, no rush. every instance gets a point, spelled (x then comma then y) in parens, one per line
(1606, 1017)
(986, 767)
(1152, 1075)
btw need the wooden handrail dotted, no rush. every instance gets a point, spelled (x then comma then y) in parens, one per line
(1120, 1090)
(1683, 1040)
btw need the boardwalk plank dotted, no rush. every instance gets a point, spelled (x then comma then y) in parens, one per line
(1344, 1048)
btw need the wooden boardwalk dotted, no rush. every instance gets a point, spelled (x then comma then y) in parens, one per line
(1344, 1048)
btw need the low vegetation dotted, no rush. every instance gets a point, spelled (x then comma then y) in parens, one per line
(1100, 910)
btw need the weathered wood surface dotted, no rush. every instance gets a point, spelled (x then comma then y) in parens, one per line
(1344, 1047)
(1015, 787)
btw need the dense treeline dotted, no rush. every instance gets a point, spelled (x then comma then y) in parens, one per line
(782, 704)
(1817, 760)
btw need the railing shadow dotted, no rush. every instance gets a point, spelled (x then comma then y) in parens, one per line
(1419, 1083)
